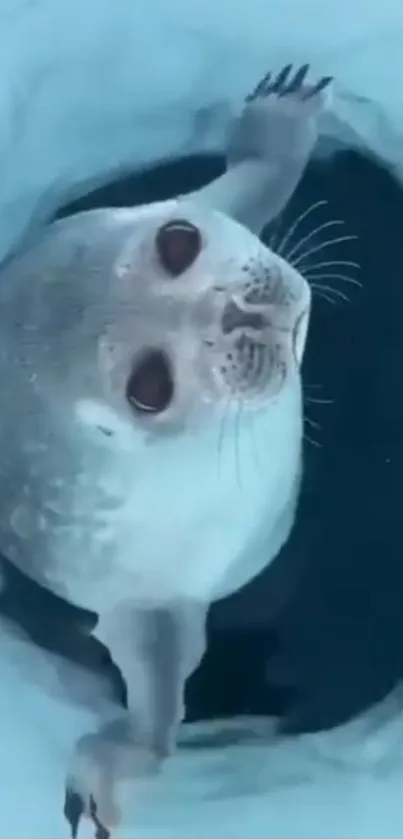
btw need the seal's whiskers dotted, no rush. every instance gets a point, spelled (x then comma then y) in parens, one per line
(290, 255)
(328, 293)
(331, 263)
(316, 426)
(312, 442)
(308, 421)
(314, 401)
(222, 433)
(237, 451)
(342, 277)
(321, 246)
(313, 423)
(226, 433)
(255, 452)
(294, 227)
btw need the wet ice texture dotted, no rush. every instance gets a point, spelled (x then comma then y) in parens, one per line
(230, 780)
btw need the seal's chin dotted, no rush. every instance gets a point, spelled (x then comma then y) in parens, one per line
(99, 418)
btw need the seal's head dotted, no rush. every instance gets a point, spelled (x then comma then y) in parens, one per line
(190, 311)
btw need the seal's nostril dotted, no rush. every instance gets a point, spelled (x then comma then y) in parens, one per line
(150, 387)
(178, 244)
(236, 318)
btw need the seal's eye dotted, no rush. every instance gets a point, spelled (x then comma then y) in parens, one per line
(178, 244)
(150, 387)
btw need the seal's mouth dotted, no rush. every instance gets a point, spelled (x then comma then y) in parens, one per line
(234, 317)
(261, 340)
(150, 387)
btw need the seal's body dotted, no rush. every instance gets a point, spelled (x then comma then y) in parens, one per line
(151, 435)
(103, 497)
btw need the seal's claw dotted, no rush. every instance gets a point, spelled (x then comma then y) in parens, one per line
(297, 82)
(101, 832)
(91, 784)
(262, 87)
(280, 80)
(100, 761)
(321, 85)
(73, 810)
(282, 86)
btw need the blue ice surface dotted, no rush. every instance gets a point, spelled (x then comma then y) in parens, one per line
(238, 780)
(88, 90)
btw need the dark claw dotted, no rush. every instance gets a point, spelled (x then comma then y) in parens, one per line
(263, 85)
(297, 82)
(281, 88)
(259, 89)
(101, 832)
(319, 87)
(73, 810)
(280, 80)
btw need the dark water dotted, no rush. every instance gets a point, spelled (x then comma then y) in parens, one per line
(318, 636)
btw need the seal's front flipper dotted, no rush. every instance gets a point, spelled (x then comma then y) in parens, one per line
(268, 147)
(156, 649)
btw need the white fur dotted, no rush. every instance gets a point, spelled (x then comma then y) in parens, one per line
(192, 518)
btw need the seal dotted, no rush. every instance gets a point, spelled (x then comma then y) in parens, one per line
(151, 436)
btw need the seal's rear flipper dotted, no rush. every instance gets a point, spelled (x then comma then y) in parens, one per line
(268, 148)
(156, 650)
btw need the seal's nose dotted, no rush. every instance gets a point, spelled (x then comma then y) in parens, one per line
(178, 244)
(271, 314)
(236, 318)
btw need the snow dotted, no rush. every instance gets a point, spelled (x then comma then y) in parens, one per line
(87, 89)
(230, 779)
(95, 88)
